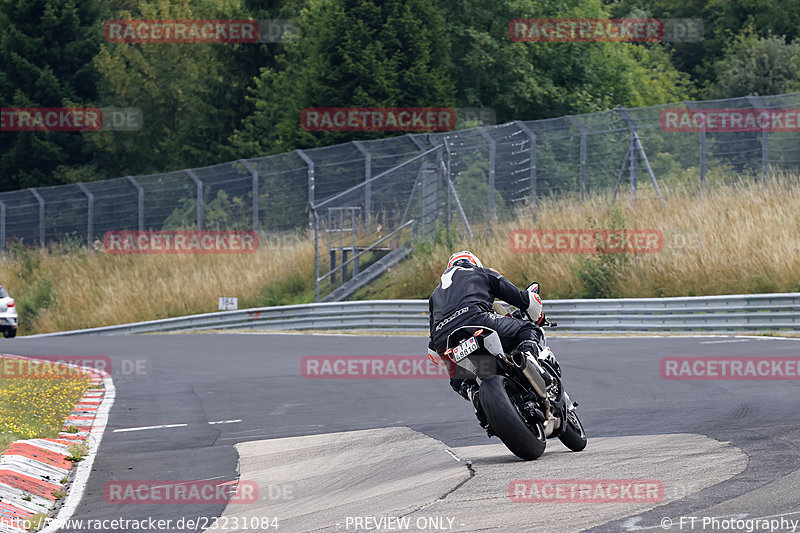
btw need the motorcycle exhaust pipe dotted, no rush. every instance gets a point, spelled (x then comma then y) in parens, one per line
(532, 370)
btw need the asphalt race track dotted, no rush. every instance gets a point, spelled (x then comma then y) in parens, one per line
(735, 444)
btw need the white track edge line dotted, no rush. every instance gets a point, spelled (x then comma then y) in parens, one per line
(85, 467)
(144, 428)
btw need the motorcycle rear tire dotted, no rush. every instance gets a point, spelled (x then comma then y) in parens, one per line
(525, 442)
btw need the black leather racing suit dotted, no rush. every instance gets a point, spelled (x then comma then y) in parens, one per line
(464, 297)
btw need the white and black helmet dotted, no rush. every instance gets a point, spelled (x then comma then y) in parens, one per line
(464, 257)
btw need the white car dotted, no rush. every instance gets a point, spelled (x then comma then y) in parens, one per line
(8, 314)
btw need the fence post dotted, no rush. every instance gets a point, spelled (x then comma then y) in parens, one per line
(637, 150)
(368, 184)
(2, 228)
(532, 138)
(90, 215)
(315, 219)
(452, 195)
(633, 168)
(492, 158)
(753, 100)
(254, 173)
(446, 165)
(41, 215)
(582, 131)
(416, 141)
(692, 105)
(140, 191)
(199, 183)
(311, 185)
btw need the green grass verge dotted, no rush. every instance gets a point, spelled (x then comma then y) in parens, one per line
(36, 398)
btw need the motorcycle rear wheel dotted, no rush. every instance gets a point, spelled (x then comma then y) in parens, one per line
(525, 442)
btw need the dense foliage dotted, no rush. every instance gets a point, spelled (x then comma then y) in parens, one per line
(206, 103)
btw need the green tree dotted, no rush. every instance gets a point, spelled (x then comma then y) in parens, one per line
(222, 213)
(352, 53)
(472, 187)
(185, 91)
(722, 21)
(531, 80)
(756, 66)
(46, 50)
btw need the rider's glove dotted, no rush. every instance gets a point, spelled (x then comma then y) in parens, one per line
(535, 308)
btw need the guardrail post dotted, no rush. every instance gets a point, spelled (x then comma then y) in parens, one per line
(140, 191)
(90, 215)
(311, 185)
(753, 100)
(692, 105)
(41, 215)
(582, 131)
(533, 178)
(253, 172)
(199, 184)
(492, 158)
(367, 182)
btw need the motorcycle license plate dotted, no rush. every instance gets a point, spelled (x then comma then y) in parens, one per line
(464, 348)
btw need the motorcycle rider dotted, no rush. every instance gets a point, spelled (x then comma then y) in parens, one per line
(464, 296)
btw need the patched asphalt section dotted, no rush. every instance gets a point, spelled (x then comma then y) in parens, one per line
(314, 483)
(362, 480)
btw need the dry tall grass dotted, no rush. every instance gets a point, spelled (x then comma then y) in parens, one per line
(88, 288)
(735, 238)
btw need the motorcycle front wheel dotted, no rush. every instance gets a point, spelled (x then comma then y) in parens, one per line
(573, 436)
(525, 442)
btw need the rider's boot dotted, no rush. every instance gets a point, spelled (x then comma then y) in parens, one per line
(529, 348)
(470, 390)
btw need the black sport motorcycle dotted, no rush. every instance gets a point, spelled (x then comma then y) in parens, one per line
(522, 394)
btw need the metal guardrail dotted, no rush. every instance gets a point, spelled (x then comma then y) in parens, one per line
(742, 313)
